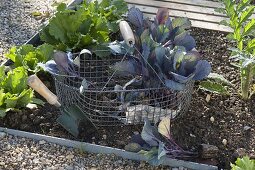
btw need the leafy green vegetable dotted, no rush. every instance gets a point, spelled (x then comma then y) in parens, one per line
(29, 56)
(213, 87)
(14, 92)
(244, 163)
(219, 78)
(243, 25)
(85, 27)
(215, 83)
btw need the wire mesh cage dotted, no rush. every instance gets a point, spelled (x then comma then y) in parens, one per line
(101, 101)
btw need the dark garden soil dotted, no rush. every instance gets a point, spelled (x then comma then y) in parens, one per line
(234, 118)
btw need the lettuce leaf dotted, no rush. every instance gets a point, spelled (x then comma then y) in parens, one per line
(29, 56)
(87, 26)
(14, 92)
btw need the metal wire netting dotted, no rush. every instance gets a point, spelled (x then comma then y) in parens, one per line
(101, 103)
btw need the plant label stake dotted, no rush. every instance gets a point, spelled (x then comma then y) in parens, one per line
(71, 118)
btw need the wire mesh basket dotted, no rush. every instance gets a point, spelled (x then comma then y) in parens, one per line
(100, 102)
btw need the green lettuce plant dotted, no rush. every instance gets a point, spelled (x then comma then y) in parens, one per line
(244, 163)
(86, 27)
(14, 92)
(29, 56)
(243, 25)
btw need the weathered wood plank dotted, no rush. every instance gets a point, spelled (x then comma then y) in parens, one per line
(203, 3)
(190, 15)
(176, 6)
(201, 24)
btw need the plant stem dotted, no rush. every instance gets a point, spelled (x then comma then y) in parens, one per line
(246, 77)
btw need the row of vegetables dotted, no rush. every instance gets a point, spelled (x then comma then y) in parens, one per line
(164, 49)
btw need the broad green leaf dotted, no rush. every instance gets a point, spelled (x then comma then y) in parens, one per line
(246, 14)
(224, 22)
(243, 4)
(220, 10)
(11, 100)
(149, 154)
(249, 26)
(86, 40)
(237, 34)
(213, 87)
(24, 98)
(230, 36)
(120, 8)
(12, 54)
(47, 37)
(61, 7)
(219, 78)
(37, 101)
(2, 112)
(2, 97)
(24, 49)
(85, 26)
(100, 30)
(31, 60)
(2, 74)
(181, 22)
(46, 50)
(251, 45)
(16, 80)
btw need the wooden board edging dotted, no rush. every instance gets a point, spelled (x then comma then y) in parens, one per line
(93, 148)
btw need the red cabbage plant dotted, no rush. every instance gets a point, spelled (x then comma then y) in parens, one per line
(164, 52)
(157, 143)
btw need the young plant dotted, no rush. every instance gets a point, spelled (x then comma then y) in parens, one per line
(87, 26)
(215, 83)
(163, 53)
(14, 92)
(157, 143)
(244, 163)
(29, 56)
(243, 25)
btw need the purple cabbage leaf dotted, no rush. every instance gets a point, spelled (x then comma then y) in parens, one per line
(61, 65)
(157, 143)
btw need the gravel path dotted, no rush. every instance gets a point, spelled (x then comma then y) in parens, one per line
(18, 25)
(22, 153)
(17, 22)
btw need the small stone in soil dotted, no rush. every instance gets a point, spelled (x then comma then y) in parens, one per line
(212, 119)
(31, 106)
(136, 133)
(42, 142)
(224, 142)
(246, 128)
(133, 147)
(208, 98)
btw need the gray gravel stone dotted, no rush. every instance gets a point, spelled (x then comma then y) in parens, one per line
(2, 135)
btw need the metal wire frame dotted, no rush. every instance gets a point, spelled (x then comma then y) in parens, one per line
(101, 103)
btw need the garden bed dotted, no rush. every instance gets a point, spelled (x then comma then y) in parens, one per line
(233, 119)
